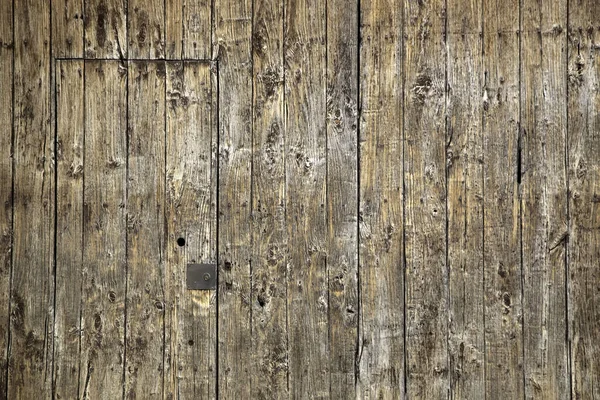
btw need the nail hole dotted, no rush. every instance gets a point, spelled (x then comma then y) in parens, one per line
(181, 242)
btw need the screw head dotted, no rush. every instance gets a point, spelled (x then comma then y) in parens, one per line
(206, 276)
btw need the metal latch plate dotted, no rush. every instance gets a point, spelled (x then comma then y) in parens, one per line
(201, 276)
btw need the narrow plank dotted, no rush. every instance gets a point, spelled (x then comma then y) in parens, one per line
(233, 50)
(584, 200)
(67, 28)
(342, 194)
(465, 199)
(105, 29)
(269, 234)
(6, 182)
(145, 230)
(189, 28)
(104, 230)
(425, 200)
(381, 319)
(306, 189)
(502, 235)
(146, 28)
(544, 200)
(32, 295)
(69, 226)
(190, 321)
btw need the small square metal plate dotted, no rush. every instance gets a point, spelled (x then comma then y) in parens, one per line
(201, 276)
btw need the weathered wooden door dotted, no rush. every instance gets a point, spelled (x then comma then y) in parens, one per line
(136, 203)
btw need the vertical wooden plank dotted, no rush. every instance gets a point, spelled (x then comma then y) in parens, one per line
(233, 41)
(425, 200)
(465, 199)
(269, 235)
(544, 200)
(381, 327)
(145, 230)
(6, 182)
(342, 193)
(190, 342)
(105, 26)
(32, 296)
(69, 226)
(146, 28)
(502, 258)
(189, 27)
(67, 28)
(306, 190)
(104, 230)
(584, 202)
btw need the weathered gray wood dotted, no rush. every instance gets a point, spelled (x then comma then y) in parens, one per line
(189, 27)
(145, 230)
(544, 201)
(6, 181)
(32, 294)
(69, 226)
(342, 194)
(232, 47)
(464, 159)
(191, 334)
(268, 379)
(380, 350)
(306, 189)
(584, 188)
(67, 28)
(425, 200)
(146, 28)
(104, 230)
(502, 233)
(105, 29)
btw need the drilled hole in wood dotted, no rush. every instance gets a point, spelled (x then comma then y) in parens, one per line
(181, 242)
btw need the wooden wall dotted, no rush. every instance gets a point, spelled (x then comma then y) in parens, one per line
(402, 198)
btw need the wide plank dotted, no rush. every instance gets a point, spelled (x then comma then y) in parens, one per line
(32, 287)
(268, 379)
(146, 30)
(342, 194)
(306, 190)
(584, 202)
(426, 153)
(191, 315)
(189, 28)
(145, 230)
(465, 199)
(105, 29)
(104, 230)
(67, 28)
(544, 203)
(380, 353)
(233, 50)
(69, 226)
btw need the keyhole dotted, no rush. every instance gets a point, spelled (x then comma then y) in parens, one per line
(181, 242)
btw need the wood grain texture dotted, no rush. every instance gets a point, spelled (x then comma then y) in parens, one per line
(105, 29)
(306, 182)
(32, 294)
(268, 379)
(104, 230)
(6, 182)
(342, 194)
(465, 201)
(380, 350)
(544, 200)
(191, 334)
(146, 30)
(145, 230)
(425, 161)
(232, 49)
(189, 28)
(502, 220)
(69, 226)
(67, 28)
(584, 199)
